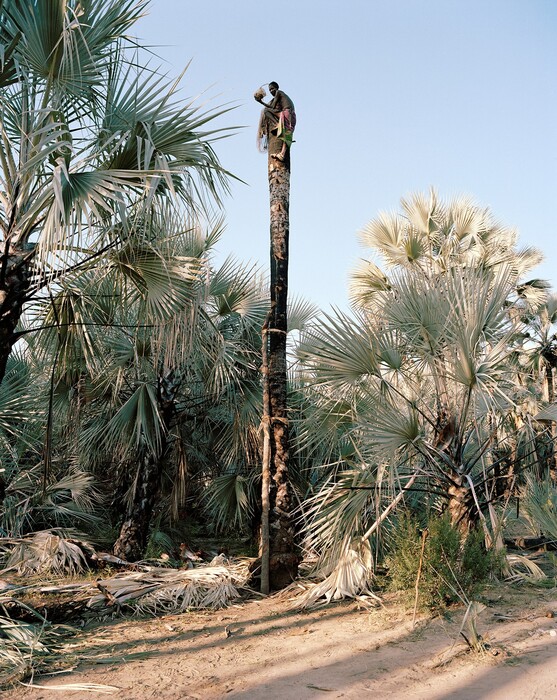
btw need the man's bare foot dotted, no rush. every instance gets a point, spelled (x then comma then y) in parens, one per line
(278, 156)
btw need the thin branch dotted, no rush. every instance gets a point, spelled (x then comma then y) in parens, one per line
(392, 505)
(83, 323)
(53, 276)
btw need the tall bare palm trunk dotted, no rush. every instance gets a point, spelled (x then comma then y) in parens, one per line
(550, 363)
(283, 554)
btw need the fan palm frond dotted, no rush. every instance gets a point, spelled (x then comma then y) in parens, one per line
(301, 312)
(47, 552)
(18, 404)
(365, 281)
(65, 41)
(338, 512)
(230, 500)
(137, 425)
(341, 350)
(64, 500)
(540, 505)
(350, 578)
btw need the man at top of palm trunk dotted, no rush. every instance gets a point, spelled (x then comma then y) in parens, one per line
(278, 118)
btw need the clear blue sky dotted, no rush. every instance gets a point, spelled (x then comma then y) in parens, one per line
(392, 96)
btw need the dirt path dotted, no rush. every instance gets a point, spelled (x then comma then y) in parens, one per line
(262, 650)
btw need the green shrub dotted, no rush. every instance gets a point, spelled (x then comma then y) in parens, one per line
(453, 568)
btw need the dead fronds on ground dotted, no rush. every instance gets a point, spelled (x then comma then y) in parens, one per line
(170, 590)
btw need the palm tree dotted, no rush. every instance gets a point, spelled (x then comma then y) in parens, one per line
(90, 138)
(158, 356)
(537, 362)
(418, 382)
(540, 344)
(99, 332)
(423, 372)
(431, 236)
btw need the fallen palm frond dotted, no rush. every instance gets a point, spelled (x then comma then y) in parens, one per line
(170, 590)
(523, 569)
(350, 578)
(46, 552)
(150, 589)
(27, 647)
(75, 687)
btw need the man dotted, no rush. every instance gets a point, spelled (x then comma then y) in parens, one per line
(279, 117)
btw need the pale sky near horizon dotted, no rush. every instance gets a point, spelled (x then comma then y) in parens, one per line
(392, 97)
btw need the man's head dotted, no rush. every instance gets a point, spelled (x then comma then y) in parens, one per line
(273, 87)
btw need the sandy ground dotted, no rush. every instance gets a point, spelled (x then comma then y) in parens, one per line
(263, 650)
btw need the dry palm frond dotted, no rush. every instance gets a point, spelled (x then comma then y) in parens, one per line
(75, 687)
(46, 552)
(26, 647)
(470, 624)
(349, 579)
(523, 569)
(169, 590)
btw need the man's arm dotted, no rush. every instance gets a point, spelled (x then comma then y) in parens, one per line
(274, 105)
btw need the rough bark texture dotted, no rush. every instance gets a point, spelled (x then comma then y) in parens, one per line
(14, 284)
(15, 279)
(134, 533)
(284, 557)
(461, 505)
(132, 540)
(266, 462)
(462, 508)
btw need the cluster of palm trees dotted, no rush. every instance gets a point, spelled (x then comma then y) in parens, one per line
(131, 392)
(433, 385)
(109, 184)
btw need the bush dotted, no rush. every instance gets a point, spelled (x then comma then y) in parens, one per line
(453, 568)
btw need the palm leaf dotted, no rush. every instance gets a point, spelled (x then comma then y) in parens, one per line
(301, 313)
(338, 512)
(65, 42)
(230, 500)
(17, 399)
(540, 505)
(341, 351)
(137, 424)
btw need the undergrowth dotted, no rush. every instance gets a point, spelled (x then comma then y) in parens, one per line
(453, 568)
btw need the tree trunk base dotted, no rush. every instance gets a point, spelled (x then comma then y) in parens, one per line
(130, 544)
(283, 570)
